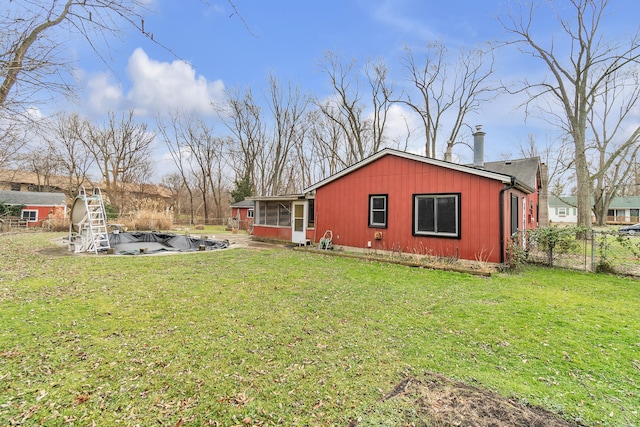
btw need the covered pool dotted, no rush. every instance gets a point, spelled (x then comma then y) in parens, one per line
(139, 242)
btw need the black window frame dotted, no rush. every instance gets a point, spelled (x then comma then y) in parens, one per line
(311, 213)
(385, 210)
(435, 196)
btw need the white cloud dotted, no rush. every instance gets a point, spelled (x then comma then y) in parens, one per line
(159, 86)
(395, 14)
(104, 94)
(402, 127)
(154, 87)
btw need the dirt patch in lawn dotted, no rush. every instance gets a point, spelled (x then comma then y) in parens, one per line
(438, 401)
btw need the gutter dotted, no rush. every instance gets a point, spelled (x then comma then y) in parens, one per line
(502, 245)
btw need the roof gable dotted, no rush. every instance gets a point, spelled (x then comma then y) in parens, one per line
(502, 177)
(526, 171)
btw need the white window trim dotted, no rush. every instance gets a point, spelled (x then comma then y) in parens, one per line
(372, 210)
(22, 212)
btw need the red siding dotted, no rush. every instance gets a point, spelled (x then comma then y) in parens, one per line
(44, 213)
(270, 232)
(245, 221)
(342, 206)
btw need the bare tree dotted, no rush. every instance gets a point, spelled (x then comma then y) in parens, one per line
(580, 66)
(381, 93)
(263, 153)
(243, 117)
(200, 157)
(12, 140)
(174, 182)
(32, 58)
(120, 150)
(446, 92)
(614, 154)
(174, 134)
(362, 125)
(287, 106)
(63, 144)
(42, 165)
(556, 155)
(207, 154)
(325, 136)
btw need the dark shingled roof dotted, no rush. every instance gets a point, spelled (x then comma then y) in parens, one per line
(525, 170)
(32, 198)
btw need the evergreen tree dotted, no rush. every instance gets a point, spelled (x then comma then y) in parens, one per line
(243, 189)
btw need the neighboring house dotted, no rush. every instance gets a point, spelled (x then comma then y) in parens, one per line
(622, 210)
(397, 201)
(37, 207)
(243, 212)
(563, 210)
(16, 180)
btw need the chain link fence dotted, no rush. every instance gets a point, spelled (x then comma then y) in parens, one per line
(600, 251)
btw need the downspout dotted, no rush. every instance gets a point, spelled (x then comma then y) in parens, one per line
(502, 244)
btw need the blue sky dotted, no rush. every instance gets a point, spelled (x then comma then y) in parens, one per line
(288, 38)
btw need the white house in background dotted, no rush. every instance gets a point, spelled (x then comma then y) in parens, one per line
(563, 210)
(622, 210)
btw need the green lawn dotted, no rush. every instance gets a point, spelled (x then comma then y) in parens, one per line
(294, 338)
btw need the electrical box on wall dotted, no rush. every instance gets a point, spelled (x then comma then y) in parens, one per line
(377, 235)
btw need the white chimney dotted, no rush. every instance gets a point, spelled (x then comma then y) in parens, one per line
(478, 147)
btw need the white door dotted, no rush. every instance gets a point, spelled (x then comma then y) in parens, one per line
(299, 222)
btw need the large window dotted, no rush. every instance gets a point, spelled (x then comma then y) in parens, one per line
(436, 215)
(274, 213)
(378, 211)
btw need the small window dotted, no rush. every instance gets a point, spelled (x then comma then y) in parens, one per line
(249, 213)
(31, 216)
(436, 215)
(562, 211)
(15, 187)
(378, 211)
(311, 214)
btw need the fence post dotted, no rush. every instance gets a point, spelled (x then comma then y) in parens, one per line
(593, 250)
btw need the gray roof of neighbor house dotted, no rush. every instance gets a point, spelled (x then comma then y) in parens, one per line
(243, 204)
(525, 170)
(32, 198)
(632, 202)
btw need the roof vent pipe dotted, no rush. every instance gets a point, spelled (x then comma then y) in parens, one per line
(478, 147)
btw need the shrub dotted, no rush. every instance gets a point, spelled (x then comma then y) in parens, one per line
(148, 216)
(554, 239)
(516, 255)
(55, 224)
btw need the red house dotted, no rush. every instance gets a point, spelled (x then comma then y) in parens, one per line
(398, 201)
(36, 206)
(243, 213)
